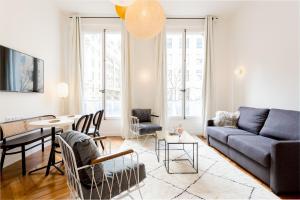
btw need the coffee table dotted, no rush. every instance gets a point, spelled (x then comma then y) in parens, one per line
(174, 140)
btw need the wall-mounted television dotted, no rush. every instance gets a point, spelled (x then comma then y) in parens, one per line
(20, 72)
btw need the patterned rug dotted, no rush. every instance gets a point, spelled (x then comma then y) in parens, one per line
(217, 177)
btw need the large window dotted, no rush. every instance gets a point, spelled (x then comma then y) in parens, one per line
(102, 72)
(184, 73)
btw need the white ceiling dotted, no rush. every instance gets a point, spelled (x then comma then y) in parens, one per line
(173, 8)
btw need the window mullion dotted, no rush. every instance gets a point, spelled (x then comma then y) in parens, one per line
(184, 73)
(103, 71)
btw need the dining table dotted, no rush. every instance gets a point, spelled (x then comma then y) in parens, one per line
(54, 125)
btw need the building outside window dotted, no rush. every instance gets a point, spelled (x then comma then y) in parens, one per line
(102, 72)
(184, 77)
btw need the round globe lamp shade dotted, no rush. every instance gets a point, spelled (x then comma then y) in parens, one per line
(62, 90)
(145, 18)
(121, 11)
(123, 2)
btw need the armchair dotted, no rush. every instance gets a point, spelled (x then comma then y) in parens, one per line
(141, 123)
(91, 175)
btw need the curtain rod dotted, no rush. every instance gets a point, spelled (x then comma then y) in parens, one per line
(167, 17)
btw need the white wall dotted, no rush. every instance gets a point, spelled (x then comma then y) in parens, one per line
(265, 41)
(32, 27)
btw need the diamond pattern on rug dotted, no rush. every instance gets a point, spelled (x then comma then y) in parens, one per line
(213, 187)
(217, 177)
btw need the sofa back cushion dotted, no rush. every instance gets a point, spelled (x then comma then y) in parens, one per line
(252, 119)
(282, 124)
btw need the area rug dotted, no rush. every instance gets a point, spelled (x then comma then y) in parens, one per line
(218, 178)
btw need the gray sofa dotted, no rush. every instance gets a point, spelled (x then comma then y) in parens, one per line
(266, 143)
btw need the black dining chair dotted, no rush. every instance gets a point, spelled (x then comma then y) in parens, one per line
(83, 124)
(95, 131)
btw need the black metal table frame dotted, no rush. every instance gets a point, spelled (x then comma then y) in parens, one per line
(192, 161)
(51, 161)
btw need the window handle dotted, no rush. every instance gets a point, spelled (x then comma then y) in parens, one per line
(183, 90)
(102, 91)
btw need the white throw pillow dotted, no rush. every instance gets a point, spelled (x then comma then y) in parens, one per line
(226, 119)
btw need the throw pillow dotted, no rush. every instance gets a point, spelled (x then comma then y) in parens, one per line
(226, 119)
(85, 150)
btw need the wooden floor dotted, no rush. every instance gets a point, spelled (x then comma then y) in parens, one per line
(37, 186)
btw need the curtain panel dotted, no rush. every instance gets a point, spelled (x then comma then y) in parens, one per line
(126, 83)
(160, 106)
(207, 73)
(75, 67)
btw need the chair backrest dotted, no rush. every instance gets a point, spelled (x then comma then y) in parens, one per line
(89, 123)
(16, 127)
(144, 115)
(71, 169)
(97, 119)
(82, 124)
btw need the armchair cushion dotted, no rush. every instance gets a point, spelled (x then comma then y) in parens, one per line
(85, 150)
(146, 128)
(117, 170)
(144, 115)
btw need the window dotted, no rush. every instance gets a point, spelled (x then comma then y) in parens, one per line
(102, 72)
(199, 43)
(169, 43)
(184, 77)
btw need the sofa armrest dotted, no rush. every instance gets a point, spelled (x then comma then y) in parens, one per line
(210, 122)
(285, 166)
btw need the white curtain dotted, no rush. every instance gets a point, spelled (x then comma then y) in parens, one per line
(160, 80)
(207, 73)
(75, 67)
(126, 83)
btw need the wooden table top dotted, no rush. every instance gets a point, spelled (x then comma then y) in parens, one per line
(51, 123)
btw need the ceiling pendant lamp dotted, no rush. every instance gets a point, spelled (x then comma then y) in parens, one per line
(122, 2)
(145, 18)
(121, 11)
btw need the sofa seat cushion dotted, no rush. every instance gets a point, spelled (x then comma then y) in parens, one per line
(222, 133)
(257, 148)
(252, 119)
(146, 128)
(282, 124)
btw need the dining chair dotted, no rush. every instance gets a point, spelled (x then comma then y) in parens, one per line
(95, 131)
(83, 124)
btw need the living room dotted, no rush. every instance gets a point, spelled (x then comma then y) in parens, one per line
(201, 98)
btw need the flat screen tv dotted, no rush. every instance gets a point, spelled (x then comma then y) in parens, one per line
(20, 72)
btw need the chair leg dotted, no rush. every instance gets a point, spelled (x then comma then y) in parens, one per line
(43, 145)
(145, 140)
(102, 145)
(2, 159)
(23, 161)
